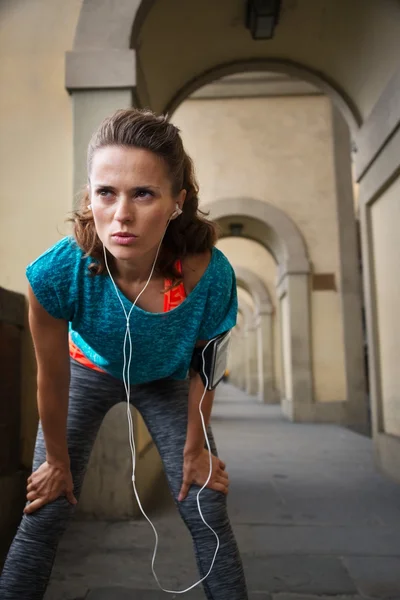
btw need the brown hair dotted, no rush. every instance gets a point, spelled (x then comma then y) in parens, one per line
(191, 232)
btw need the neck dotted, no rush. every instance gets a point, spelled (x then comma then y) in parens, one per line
(134, 271)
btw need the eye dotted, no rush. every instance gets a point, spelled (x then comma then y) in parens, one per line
(104, 192)
(143, 194)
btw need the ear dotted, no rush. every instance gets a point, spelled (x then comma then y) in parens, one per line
(181, 198)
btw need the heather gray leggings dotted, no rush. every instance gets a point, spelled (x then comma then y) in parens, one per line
(163, 405)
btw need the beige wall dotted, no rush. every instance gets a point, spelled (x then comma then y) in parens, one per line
(279, 150)
(35, 131)
(385, 218)
(35, 151)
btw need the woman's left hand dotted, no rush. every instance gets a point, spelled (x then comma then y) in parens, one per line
(196, 468)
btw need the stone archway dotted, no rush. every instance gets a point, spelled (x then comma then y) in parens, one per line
(272, 228)
(270, 65)
(105, 71)
(263, 331)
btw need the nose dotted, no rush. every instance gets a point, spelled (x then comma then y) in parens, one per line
(124, 210)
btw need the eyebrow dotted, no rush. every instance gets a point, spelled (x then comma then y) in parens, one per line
(134, 189)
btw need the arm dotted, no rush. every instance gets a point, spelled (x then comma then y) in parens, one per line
(50, 338)
(196, 458)
(195, 433)
(196, 463)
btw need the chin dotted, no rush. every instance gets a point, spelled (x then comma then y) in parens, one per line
(124, 253)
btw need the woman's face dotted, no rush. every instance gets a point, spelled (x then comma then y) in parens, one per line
(131, 199)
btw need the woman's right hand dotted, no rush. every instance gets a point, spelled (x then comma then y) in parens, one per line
(47, 483)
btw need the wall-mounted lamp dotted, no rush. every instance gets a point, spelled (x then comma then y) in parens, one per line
(262, 17)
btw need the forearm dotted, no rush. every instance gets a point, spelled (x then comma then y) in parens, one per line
(195, 434)
(53, 412)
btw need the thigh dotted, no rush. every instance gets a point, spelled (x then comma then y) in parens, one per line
(91, 395)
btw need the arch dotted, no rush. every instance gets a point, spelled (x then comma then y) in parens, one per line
(274, 65)
(272, 228)
(246, 348)
(264, 333)
(105, 26)
(268, 225)
(256, 287)
(247, 313)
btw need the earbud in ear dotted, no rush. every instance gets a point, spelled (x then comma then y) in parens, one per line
(89, 206)
(177, 211)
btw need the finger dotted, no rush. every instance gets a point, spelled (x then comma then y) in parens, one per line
(219, 487)
(31, 496)
(223, 474)
(35, 505)
(222, 481)
(184, 491)
(71, 498)
(222, 465)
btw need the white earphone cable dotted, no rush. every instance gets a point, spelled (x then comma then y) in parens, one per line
(127, 386)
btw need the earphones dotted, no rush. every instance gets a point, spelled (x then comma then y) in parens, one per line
(127, 386)
(178, 211)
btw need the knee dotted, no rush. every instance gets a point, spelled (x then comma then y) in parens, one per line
(47, 523)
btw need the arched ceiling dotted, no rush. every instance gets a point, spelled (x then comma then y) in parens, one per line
(352, 47)
(348, 48)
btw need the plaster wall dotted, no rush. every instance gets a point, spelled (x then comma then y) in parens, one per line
(279, 150)
(385, 219)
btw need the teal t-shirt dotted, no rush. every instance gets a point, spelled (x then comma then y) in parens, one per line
(162, 343)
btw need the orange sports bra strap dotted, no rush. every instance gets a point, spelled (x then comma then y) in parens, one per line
(178, 265)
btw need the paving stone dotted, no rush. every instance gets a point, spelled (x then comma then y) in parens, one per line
(306, 502)
(130, 594)
(325, 540)
(313, 597)
(377, 577)
(120, 593)
(66, 590)
(301, 574)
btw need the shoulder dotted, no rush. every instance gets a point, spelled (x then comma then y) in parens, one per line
(53, 277)
(221, 305)
(193, 268)
(213, 263)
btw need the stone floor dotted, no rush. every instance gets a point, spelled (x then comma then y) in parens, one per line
(313, 519)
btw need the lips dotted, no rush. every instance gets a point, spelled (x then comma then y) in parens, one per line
(124, 238)
(123, 234)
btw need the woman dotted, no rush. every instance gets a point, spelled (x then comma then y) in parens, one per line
(138, 222)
